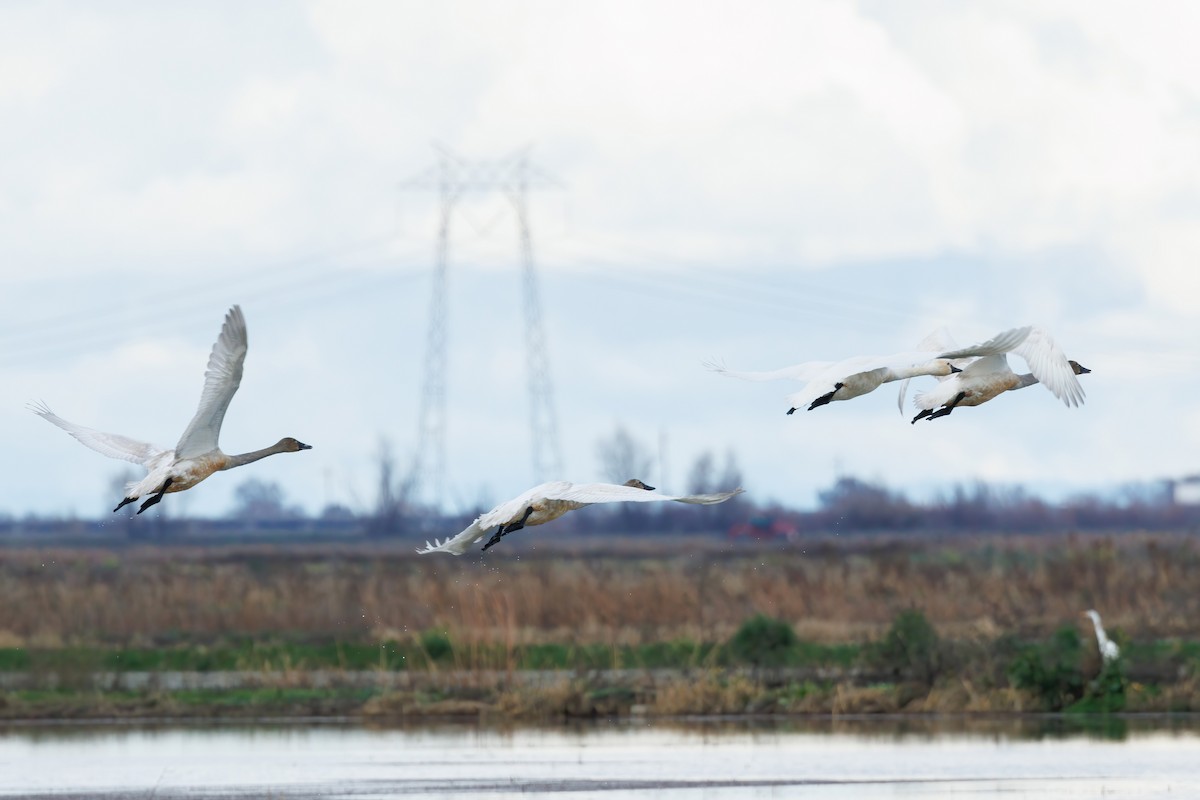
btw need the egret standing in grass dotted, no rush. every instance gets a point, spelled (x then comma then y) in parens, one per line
(1109, 651)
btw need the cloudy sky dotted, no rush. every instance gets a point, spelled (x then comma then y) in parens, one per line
(762, 183)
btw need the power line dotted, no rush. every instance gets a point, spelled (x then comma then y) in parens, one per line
(543, 424)
(164, 312)
(452, 177)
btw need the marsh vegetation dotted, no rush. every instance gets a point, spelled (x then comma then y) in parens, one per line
(990, 624)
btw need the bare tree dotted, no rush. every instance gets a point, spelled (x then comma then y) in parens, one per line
(702, 475)
(703, 479)
(261, 500)
(123, 518)
(392, 494)
(622, 457)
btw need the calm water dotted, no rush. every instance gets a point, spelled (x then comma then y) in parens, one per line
(848, 758)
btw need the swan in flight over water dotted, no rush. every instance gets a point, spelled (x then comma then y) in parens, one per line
(989, 376)
(1108, 648)
(197, 455)
(549, 501)
(827, 381)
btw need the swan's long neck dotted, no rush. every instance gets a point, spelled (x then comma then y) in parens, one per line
(1100, 637)
(243, 459)
(919, 370)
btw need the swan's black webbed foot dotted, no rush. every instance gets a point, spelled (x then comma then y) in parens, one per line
(124, 503)
(505, 530)
(922, 415)
(946, 409)
(516, 526)
(157, 496)
(791, 411)
(825, 398)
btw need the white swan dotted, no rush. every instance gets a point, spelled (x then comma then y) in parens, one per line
(197, 455)
(1108, 648)
(549, 501)
(990, 375)
(827, 381)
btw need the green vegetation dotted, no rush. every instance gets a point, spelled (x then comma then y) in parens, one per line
(1050, 669)
(431, 649)
(762, 641)
(858, 626)
(911, 649)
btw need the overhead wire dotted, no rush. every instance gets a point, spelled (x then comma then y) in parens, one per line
(164, 311)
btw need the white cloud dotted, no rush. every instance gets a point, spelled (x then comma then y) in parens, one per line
(978, 166)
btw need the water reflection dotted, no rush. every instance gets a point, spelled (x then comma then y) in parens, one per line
(1113, 727)
(861, 757)
(1023, 727)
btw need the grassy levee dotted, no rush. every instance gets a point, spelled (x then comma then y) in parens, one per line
(996, 606)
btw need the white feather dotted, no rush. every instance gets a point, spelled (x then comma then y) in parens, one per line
(550, 501)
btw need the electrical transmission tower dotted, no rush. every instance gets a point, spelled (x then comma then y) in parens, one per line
(452, 177)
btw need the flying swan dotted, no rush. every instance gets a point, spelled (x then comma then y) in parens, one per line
(549, 501)
(197, 455)
(990, 375)
(827, 381)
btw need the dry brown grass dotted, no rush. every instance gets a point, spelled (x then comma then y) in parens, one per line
(832, 592)
(709, 693)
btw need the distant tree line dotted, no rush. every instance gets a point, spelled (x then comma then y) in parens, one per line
(849, 505)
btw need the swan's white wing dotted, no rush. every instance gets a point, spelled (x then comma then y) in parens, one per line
(221, 381)
(987, 365)
(505, 512)
(613, 493)
(858, 367)
(1000, 343)
(799, 372)
(1050, 366)
(909, 358)
(109, 444)
(936, 341)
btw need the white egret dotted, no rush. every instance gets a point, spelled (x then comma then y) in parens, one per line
(1108, 648)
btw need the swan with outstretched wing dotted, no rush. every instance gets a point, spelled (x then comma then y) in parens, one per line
(549, 501)
(989, 375)
(829, 381)
(196, 455)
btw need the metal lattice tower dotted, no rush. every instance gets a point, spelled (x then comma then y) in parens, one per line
(430, 461)
(543, 424)
(452, 178)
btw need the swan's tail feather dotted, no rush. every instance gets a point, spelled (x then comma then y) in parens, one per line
(447, 546)
(710, 499)
(715, 365)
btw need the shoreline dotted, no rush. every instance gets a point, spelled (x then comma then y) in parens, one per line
(535, 696)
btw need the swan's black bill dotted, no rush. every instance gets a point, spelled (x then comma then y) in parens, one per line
(304, 446)
(954, 369)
